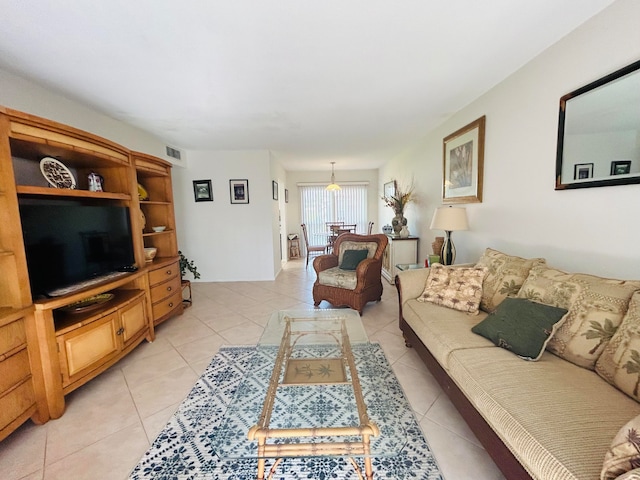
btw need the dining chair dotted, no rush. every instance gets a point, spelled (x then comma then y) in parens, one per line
(312, 249)
(346, 229)
(370, 228)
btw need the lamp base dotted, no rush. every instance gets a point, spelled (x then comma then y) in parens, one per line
(448, 252)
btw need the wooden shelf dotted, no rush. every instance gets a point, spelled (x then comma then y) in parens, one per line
(64, 192)
(153, 202)
(65, 322)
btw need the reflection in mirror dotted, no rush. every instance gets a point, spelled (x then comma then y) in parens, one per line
(599, 132)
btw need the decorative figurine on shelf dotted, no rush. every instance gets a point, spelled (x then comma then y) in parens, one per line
(95, 181)
(398, 201)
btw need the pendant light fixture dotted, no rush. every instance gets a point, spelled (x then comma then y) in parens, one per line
(333, 186)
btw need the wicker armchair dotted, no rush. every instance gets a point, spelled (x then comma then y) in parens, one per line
(350, 288)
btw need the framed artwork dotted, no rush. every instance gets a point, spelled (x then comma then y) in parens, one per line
(620, 167)
(239, 190)
(274, 189)
(390, 189)
(582, 171)
(286, 195)
(202, 191)
(463, 163)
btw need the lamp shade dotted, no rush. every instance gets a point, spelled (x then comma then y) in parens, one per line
(333, 186)
(450, 219)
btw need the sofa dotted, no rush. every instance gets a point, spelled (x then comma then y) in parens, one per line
(569, 410)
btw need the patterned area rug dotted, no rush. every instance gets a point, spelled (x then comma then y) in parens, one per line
(206, 437)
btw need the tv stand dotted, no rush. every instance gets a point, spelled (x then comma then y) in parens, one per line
(50, 352)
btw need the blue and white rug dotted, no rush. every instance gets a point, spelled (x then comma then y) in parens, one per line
(207, 436)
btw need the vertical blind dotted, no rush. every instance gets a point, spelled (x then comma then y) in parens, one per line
(318, 206)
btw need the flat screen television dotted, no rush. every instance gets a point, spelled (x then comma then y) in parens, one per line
(67, 242)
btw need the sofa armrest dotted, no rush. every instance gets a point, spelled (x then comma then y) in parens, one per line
(410, 283)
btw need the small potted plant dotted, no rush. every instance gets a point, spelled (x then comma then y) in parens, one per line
(186, 264)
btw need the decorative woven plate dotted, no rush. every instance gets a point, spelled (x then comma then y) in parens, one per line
(56, 173)
(88, 303)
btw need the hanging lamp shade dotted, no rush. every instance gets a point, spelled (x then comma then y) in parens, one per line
(333, 186)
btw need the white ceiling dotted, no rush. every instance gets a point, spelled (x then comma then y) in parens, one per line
(350, 81)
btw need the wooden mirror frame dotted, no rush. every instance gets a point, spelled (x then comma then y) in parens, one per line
(586, 168)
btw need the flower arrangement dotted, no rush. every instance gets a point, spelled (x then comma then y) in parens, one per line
(401, 197)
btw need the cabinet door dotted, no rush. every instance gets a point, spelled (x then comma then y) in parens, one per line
(88, 347)
(134, 321)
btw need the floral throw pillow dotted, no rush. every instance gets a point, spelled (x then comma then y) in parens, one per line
(624, 453)
(619, 363)
(505, 276)
(596, 306)
(454, 287)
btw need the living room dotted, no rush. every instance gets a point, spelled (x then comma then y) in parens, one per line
(586, 230)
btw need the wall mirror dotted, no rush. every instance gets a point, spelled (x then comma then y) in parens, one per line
(599, 132)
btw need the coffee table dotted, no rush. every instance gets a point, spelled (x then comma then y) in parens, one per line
(315, 364)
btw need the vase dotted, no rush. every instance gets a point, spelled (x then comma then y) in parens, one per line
(404, 232)
(398, 222)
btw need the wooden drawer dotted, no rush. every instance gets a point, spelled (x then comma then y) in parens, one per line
(165, 289)
(16, 402)
(167, 305)
(12, 336)
(14, 369)
(164, 273)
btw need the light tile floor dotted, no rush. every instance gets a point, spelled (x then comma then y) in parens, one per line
(111, 421)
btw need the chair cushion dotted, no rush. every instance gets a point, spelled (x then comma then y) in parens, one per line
(336, 277)
(352, 258)
(521, 326)
(505, 276)
(596, 306)
(454, 287)
(371, 248)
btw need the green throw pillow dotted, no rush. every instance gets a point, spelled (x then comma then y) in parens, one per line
(522, 326)
(351, 259)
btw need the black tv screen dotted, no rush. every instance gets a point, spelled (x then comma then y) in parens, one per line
(67, 242)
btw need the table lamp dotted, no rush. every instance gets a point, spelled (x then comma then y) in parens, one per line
(449, 219)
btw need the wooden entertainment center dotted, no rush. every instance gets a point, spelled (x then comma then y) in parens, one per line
(47, 349)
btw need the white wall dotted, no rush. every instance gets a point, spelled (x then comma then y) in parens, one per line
(592, 230)
(227, 242)
(24, 95)
(293, 214)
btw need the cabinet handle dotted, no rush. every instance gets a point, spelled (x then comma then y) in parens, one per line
(169, 289)
(168, 272)
(170, 304)
(120, 331)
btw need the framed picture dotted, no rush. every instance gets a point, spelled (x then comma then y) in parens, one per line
(463, 163)
(239, 190)
(202, 191)
(390, 189)
(286, 195)
(582, 171)
(274, 189)
(620, 167)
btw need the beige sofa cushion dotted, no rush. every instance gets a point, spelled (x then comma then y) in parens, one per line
(619, 364)
(454, 287)
(557, 418)
(442, 329)
(596, 306)
(505, 276)
(624, 453)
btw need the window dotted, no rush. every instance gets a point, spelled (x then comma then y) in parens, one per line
(319, 206)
